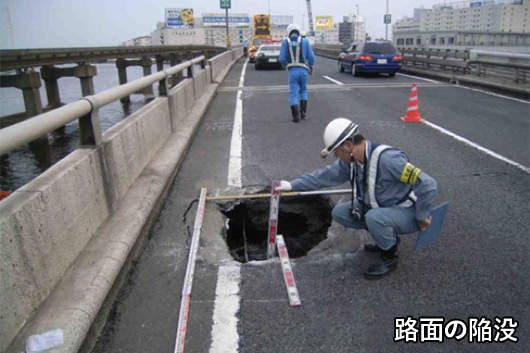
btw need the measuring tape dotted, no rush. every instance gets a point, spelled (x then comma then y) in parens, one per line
(273, 218)
(188, 280)
(288, 275)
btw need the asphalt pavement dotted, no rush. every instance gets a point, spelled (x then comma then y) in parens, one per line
(479, 268)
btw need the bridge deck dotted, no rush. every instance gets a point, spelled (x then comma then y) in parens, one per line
(479, 267)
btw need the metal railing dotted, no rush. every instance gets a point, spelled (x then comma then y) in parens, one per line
(86, 111)
(22, 58)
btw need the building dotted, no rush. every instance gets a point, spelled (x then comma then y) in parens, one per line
(327, 35)
(138, 42)
(352, 29)
(487, 23)
(210, 29)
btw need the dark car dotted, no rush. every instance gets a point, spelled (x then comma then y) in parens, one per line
(370, 56)
(267, 55)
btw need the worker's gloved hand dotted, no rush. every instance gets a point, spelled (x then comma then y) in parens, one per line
(310, 70)
(284, 186)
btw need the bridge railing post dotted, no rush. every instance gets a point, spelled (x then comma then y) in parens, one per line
(162, 85)
(89, 126)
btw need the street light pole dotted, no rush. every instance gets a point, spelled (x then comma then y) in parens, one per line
(356, 37)
(386, 24)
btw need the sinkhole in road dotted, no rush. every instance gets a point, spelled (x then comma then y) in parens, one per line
(303, 222)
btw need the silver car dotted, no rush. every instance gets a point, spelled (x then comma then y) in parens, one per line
(267, 55)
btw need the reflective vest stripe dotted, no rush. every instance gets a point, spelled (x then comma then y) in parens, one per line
(295, 58)
(372, 173)
(372, 178)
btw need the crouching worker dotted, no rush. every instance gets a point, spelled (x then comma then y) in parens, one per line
(390, 196)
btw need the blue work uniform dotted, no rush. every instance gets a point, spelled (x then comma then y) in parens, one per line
(390, 193)
(291, 49)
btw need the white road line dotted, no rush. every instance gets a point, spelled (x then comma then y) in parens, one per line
(234, 165)
(225, 338)
(478, 147)
(332, 80)
(493, 94)
(419, 78)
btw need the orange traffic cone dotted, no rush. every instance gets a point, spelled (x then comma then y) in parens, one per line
(413, 114)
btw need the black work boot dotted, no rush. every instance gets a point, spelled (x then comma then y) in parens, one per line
(303, 109)
(295, 113)
(372, 248)
(387, 264)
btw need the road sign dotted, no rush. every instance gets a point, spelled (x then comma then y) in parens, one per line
(388, 18)
(225, 4)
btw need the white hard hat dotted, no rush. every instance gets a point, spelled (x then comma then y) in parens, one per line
(337, 131)
(303, 34)
(292, 27)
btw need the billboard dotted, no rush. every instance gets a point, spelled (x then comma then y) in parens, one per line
(324, 22)
(219, 20)
(179, 18)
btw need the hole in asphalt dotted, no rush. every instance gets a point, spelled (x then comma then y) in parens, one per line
(303, 222)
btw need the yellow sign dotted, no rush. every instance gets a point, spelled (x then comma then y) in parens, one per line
(261, 25)
(324, 22)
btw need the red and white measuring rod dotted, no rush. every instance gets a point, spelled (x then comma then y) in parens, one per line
(288, 275)
(188, 280)
(273, 218)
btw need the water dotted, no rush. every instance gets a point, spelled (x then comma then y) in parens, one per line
(25, 163)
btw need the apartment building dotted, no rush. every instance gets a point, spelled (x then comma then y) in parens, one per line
(467, 23)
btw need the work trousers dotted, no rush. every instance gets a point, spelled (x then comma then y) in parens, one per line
(384, 223)
(297, 84)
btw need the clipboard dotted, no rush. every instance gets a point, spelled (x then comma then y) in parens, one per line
(433, 232)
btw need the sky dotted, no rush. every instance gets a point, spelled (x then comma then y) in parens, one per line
(99, 23)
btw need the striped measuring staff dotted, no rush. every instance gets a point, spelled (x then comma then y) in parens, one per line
(188, 279)
(288, 275)
(273, 218)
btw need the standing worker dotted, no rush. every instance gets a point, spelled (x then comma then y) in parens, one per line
(245, 48)
(390, 196)
(297, 55)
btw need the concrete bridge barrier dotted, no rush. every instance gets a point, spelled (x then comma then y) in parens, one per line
(67, 235)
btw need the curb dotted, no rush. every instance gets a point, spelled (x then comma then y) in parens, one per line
(80, 302)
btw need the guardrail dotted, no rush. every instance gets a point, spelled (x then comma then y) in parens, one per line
(22, 58)
(504, 71)
(512, 64)
(86, 110)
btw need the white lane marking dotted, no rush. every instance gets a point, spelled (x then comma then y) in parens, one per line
(225, 338)
(494, 94)
(234, 165)
(478, 147)
(420, 78)
(332, 80)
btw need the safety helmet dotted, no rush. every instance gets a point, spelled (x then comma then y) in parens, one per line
(337, 131)
(303, 34)
(291, 28)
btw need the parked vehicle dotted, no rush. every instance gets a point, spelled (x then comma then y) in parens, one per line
(255, 44)
(267, 55)
(370, 56)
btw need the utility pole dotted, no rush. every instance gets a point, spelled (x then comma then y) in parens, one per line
(386, 24)
(226, 4)
(311, 32)
(356, 37)
(10, 24)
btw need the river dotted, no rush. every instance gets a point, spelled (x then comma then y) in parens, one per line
(24, 164)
